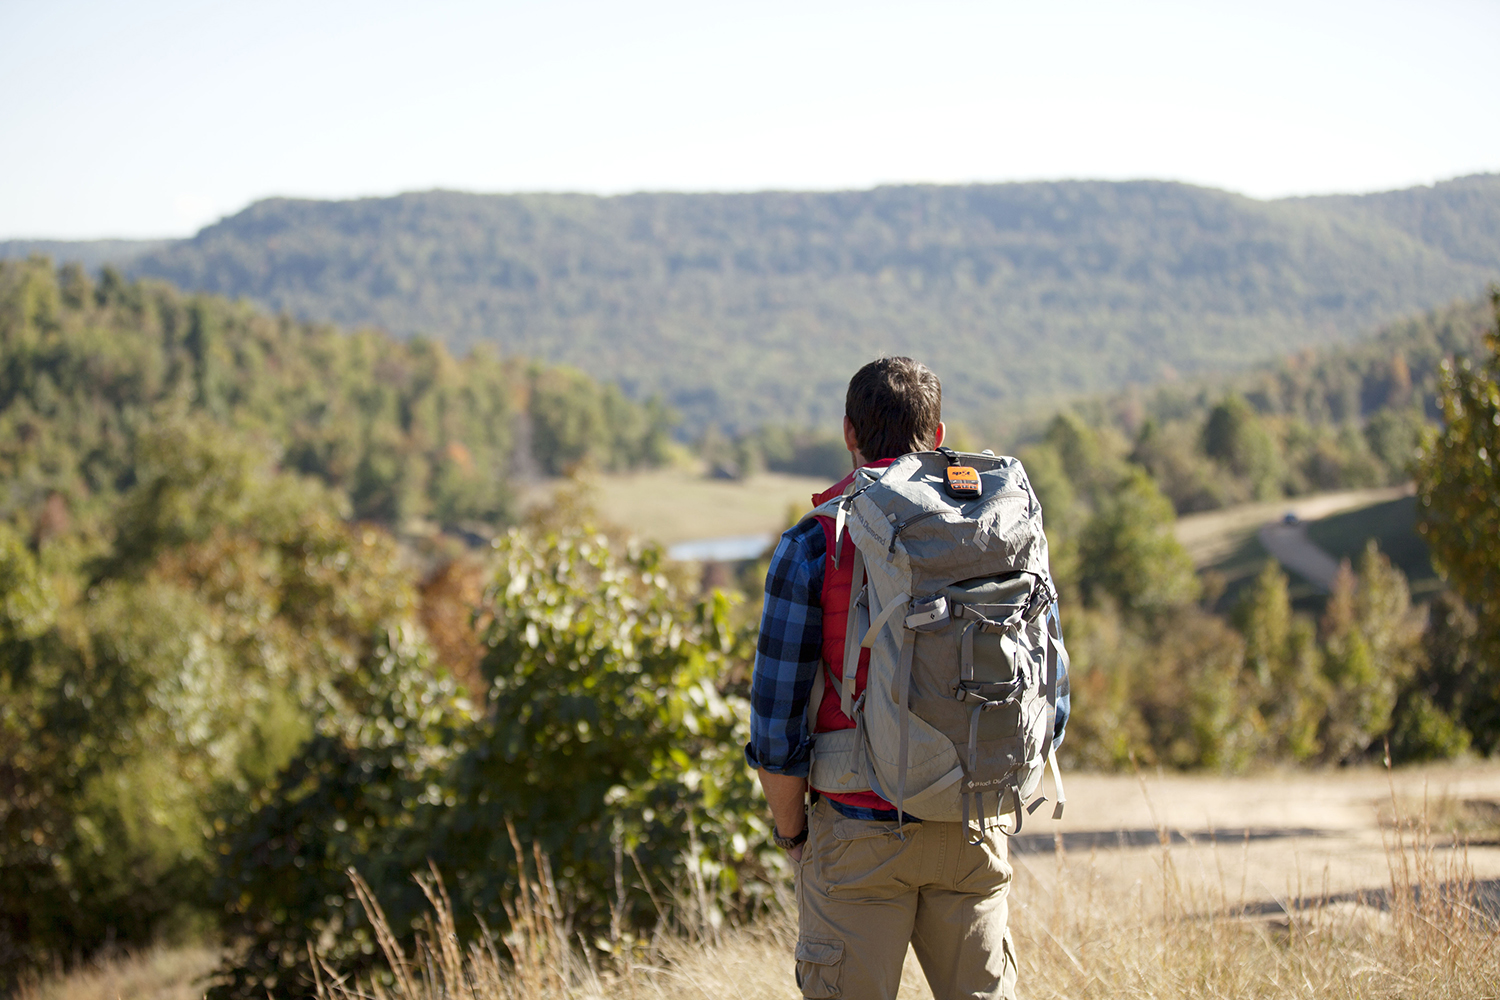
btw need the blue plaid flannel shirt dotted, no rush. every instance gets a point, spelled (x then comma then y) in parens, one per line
(790, 652)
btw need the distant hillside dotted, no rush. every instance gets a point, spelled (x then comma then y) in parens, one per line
(403, 429)
(1341, 417)
(1461, 218)
(744, 308)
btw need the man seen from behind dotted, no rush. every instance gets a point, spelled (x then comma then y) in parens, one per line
(866, 884)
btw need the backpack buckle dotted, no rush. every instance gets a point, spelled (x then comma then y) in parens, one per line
(927, 613)
(1041, 598)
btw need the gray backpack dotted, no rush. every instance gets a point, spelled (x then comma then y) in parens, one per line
(951, 596)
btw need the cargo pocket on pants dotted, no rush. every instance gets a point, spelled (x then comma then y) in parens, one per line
(818, 964)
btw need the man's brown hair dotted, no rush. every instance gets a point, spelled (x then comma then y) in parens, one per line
(895, 405)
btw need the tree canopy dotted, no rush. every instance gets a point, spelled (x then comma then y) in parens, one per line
(403, 428)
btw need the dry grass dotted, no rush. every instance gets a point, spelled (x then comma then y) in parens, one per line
(157, 974)
(1081, 932)
(1425, 935)
(1470, 820)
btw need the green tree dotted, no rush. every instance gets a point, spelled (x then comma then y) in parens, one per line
(1371, 646)
(1458, 478)
(1282, 664)
(1235, 436)
(1062, 512)
(1448, 692)
(1394, 436)
(236, 613)
(362, 794)
(1170, 452)
(1128, 551)
(1090, 464)
(608, 720)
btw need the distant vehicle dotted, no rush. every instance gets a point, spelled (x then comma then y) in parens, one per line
(1290, 519)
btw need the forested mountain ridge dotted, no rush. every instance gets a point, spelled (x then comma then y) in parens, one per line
(744, 307)
(1460, 217)
(1338, 418)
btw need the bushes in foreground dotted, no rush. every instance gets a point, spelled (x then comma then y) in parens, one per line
(158, 667)
(607, 742)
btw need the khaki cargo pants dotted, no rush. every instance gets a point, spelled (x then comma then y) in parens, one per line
(863, 894)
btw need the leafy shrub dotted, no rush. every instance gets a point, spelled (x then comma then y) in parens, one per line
(162, 694)
(606, 741)
(1372, 644)
(1459, 479)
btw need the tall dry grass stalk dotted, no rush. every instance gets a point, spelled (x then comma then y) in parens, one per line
(152, 974)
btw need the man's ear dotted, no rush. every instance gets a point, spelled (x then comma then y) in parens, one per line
(937, 440)
(850, 441)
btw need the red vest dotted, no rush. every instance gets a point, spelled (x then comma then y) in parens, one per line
(836, 584)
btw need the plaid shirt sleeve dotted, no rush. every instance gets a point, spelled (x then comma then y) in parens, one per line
(788, 653)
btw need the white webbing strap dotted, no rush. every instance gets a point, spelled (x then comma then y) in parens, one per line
(838, 531)
(1062, 796)
(851, 641)
(898, 603)
(900, 690)
(815, 699)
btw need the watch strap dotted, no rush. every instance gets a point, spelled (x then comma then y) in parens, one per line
(787, 843)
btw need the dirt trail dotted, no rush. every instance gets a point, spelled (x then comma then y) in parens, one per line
(1264, 839)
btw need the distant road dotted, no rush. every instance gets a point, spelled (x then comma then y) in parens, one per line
(1214, 534)
(1294, 550)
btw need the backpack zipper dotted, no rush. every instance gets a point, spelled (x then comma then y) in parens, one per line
(896, 532)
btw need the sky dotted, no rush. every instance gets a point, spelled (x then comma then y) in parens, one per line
(158, 117)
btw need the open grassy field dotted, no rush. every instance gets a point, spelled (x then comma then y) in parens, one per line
(681, 504)
(1340, 883)
(1212, 536)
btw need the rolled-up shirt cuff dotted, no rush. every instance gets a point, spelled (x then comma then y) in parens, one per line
(796, 766)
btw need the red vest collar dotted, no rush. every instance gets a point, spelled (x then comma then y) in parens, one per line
(838, 488)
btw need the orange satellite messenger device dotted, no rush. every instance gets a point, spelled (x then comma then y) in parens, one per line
(962, 482)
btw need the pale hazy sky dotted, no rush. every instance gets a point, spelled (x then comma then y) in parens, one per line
(157, 117)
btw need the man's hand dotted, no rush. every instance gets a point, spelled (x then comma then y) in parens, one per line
(787, 797)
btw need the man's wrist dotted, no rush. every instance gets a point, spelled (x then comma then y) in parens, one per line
(788, 843)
